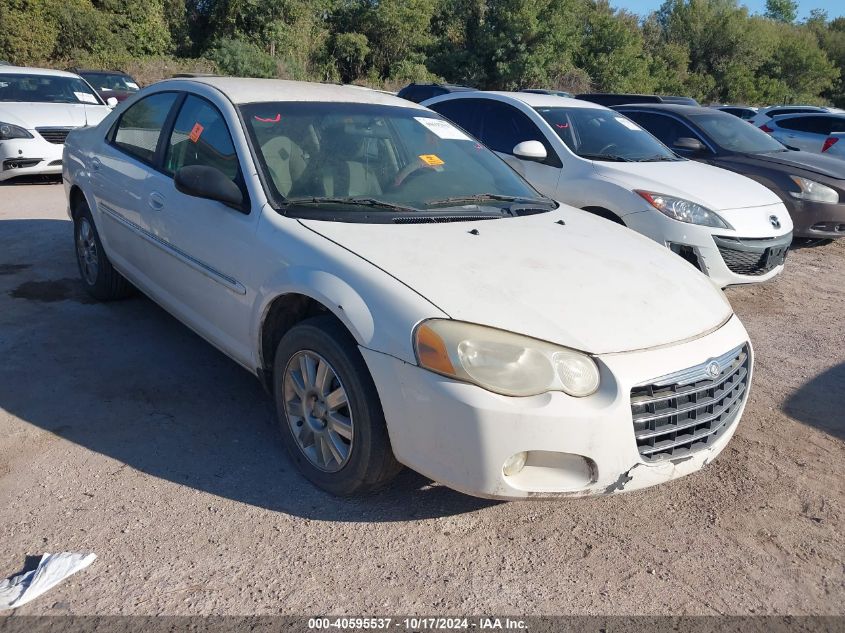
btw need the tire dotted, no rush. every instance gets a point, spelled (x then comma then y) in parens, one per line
(99, 277)
(312, 414)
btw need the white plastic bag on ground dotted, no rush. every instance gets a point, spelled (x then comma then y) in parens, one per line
(52, 569)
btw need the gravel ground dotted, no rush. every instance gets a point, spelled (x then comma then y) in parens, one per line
(125, 434)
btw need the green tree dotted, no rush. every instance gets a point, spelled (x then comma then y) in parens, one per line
(782, 10)
(350, 50)
(242, 59)
(611, 51)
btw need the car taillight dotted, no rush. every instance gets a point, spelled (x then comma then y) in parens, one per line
(828, 143)
(766, 129)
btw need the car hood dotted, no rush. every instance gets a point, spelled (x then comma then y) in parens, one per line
(797, 160)
(712, 187)
(588, 284)
(33, 115)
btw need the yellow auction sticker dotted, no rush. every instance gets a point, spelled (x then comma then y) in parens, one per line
(431, 159)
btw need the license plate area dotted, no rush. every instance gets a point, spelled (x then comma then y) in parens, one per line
(776, 256)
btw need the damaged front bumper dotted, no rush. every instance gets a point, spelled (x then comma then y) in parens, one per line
(463, 436)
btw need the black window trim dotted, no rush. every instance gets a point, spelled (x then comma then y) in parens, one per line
(697, 132)
(160, 152)
(170, 124)
(155, 164)
(552, 157)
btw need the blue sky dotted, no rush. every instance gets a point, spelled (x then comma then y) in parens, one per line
(834, 8)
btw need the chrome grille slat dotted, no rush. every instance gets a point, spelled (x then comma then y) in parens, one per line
(676, 419)
(640, 402)
(686, 440)
(644, 435)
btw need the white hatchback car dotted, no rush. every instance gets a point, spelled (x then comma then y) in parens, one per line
(728, 226)
(406, 297)
(38, 107)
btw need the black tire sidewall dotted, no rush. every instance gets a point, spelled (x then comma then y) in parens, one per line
(328, 338)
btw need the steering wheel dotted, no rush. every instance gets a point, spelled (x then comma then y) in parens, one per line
(607, 148)
(409, 172)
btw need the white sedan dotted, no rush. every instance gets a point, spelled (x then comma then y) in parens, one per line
(38, 108)
(405, 296)
(730, 227)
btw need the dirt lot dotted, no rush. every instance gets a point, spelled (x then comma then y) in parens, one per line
(125, 434)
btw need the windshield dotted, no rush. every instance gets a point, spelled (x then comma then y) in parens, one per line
(384, 157)
(597, 134)
(45, 89)
(735, 134)
(111, 81)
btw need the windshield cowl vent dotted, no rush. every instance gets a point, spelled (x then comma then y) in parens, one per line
(436, 219)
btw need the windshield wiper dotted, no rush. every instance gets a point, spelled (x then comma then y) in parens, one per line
(487, 197)
(357, 201)
(657, 158)
(612, 157)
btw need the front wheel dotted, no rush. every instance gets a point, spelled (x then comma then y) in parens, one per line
(329, 411)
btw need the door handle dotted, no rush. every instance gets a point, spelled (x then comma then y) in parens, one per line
(156, 201)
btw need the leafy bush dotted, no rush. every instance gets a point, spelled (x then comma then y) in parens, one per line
(242, 59)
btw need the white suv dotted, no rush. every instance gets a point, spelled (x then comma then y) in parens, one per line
(728, 226)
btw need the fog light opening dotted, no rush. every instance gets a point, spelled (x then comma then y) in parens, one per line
(514, 464)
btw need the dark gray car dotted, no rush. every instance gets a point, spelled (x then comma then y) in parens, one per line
(812, 186)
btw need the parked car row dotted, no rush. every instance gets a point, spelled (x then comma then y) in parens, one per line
(729, 227)
(39, 107)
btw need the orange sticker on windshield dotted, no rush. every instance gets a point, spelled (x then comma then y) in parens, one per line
(431, 159)
(195, 133)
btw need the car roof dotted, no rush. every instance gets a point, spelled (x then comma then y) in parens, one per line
(792, 106)
(91, 71)
(795, 115)
(675, 108)
(27, 70)
(243, 90)
(533, 99)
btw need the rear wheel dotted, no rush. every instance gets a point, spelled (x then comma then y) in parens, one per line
(99, 277)
(329, 411)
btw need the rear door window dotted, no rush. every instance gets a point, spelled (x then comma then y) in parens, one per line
(810, 124)
(503, 127)
(139, 128)
(463, 112)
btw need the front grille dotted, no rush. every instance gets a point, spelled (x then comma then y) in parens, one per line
(56, 135)
(753, 257)
(685, 411)
(19, 163)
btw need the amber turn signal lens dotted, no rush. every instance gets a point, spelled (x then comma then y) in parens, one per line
(431, 351)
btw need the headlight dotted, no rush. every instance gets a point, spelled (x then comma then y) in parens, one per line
(683, 210)
(506, 363)
(9, 131)
(813, 191)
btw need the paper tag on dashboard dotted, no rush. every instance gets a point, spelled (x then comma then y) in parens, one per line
(86, 97)
(442, 129)
(431, 159)
(196, 132)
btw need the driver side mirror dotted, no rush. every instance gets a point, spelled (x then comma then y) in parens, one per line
(201, 181)
(688, 144)
(530, 150)
(111, 102)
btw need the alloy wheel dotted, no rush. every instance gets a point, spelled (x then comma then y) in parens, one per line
(317, 410)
